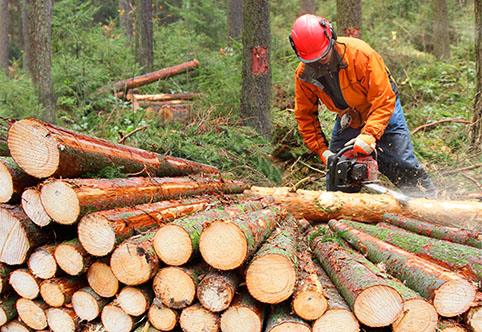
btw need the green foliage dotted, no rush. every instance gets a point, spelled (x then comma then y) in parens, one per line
(18, 97)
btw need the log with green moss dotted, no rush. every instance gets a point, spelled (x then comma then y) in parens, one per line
(464, 259)
(178, 242)
(13, 181)
(450, 293)
(372, 300)
(8, 311)
(4, 275)
(226, 244)
(271, 274)
(245, 314)
(3, 139)
(457, 235)
(281, 318)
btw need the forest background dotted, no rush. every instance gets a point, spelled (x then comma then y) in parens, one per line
(91, 50)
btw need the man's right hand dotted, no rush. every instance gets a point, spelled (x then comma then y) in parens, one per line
(326, 156)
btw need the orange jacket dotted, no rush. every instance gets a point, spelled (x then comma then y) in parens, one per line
(365, 86)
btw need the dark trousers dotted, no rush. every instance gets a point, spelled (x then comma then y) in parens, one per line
(394, 154)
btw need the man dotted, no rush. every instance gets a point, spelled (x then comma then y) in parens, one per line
(351, 79)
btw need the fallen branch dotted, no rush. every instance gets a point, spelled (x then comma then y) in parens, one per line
(473, 180)
(439, 122)
(122, 140)
(458, 170)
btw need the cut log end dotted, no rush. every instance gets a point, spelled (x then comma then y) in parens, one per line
(174, 287)
(132, 301)
(14, 243)
(454, 297)
(85, 305)
(474, 319)
(339, 320)
(33, 148)
(33, 207)
(69, 259)
(6, 184)
(378, 306)
(173, 245)
(60, 321)
(60, 202)
(3, 316)
(197, 318)
(291, 327)
(32, 314)
(223, 245)
(102, 280)
(271, 278)
(24, 284)
(115, 319)
(42, 263)
(240, 319)
(96, 234)
(309, 305)
(417, 315)
(215, 295)
(15, 326)
(52, 294)
(162, 317)
(130, 264)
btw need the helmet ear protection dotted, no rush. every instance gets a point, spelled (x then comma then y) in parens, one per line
(331, 39)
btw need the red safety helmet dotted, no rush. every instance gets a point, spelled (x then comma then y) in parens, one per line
(311, 37)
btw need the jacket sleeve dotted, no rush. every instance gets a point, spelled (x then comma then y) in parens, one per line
(306, 114)
(379, 95)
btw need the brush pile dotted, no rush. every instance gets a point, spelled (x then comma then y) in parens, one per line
(173, 245)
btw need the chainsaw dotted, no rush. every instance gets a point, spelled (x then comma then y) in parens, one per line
(350, 172)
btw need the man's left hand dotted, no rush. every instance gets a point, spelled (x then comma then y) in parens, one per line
(363, 144)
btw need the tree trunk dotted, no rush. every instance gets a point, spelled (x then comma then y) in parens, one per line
(256, 75)
(100, 232)
(178, 242)
(271, 274)
(235, 20)
(40, 47)
(72, 257)
(226, 244)
(102, 280)
(473, 319)
(176, 286)
(476, 131)
(461, 236)
(144, 52)
(88, 304)
(66, 201)
(162, 317)
(450, 294)
(282, 319)
(216, 290)
(25, 34)
(126, 17)
(33, 207)
(41, 262)
(441, 37)
(349, 18)
(322, 206)
(58, 291)
(63, 320)
(32, 313)
(197, 318)
(115, 319)
(24, 283)
(13, 181)
(4, 19)
(373, 301)
(19, 235)
(4, 152)
(64, 153)
(7, 309)
(307, 7)
(245, 314)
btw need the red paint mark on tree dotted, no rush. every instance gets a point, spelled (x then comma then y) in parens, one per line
(352, 32)
(259, 60)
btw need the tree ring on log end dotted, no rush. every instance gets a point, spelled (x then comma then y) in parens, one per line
(14, 244)
(6, 184)
(102, 280)
(85, 305)
(175, 288)
(132, 301)
(60, 321)
(31, 314)
(42, 263)
(52, 294)
(69, 259)
(215, 294)
(340, 320)
(173, 245)
(240, 319)
(454, 297)
(474, 318)
(60, 202)
(33, 207)
(24, 284)
(418, 315)
(116, 319)
(309, 305)
(33, 148)
(162, 317)
(196, 318)
(130, 264)
(96, 234)
(3, 317)
(292, 327)
(378, 306)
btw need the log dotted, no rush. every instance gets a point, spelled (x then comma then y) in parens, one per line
(8, 311)
(473, 319)
(450, 294)
(102, 280)
(196, 318)
(135, 300)
(58, 291)
(65, 201)
(450, 326)
(178, 242)
(100, 232)
(176, 286)
(94, 327)
(72, 258)
(227, 244)
(216, 290)
(19, 235)
(41, 262)
(32, 313)
(62, 320)
(271, 274)
(162, 317)
(245, 314)
(172, 114)
(115, 319)
(457, 257)
(164, 97)
(13, 180)
(322, 206)
(44, 150)
(15, 326)
(87, 304)
(281, 319)
(5, 271)
(457, 235)
(134, 261)
(373, 301)
(32, 205)
(24, 283)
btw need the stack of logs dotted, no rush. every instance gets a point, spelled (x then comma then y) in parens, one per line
(177, 246)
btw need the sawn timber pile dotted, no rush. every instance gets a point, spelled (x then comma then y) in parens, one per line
(180, 247)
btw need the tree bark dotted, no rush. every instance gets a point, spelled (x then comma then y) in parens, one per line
(245, 314)
(87, 304)
(32, 313)
(441, 38)
(235, 20)
(450, 294)
(63, 320)
(72, 257)
(40, 47)
(256, 75)
(41, 262)
(135, 300)
(126, 17)
(24, 283)
(197, 318)
(307, 7)
(5, 271)
(162, 317)
(271, 274)
(58, 291)
(282, 319)
(102, 280)
(226, 244)
(476, 131)
(33, 207)
(4, 152)
(25, 34)
(349, 18)
(144, 51)
(216, 290)
(13, 181)
(7, 308)
(456, 235)
(64, 153)
(4, 19)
